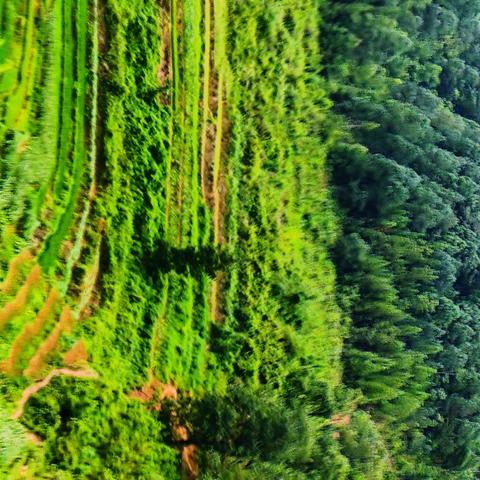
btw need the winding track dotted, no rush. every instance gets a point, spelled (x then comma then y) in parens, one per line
(32, 389)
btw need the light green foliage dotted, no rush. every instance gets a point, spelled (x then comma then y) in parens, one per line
(13, 442)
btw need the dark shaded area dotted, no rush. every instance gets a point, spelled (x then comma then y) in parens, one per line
(195, 261)
(406, 175)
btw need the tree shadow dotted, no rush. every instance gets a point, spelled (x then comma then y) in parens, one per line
(195, 261)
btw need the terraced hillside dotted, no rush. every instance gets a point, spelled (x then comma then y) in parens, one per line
(162, 163)
(50, 248)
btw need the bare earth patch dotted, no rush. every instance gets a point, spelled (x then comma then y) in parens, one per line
(13, 270)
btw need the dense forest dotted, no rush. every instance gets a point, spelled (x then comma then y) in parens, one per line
(240, 239)
(404, 80)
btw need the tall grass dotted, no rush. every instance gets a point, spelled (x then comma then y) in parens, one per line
(44, 150)
(92, 153)
(67, 95)
(49, 255)
(18, 103)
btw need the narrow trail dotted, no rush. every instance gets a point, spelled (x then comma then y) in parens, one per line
(190, 468)
(214, 300)
(164, 73)
(88, 296)
(206, 95)
(219, 194)
(212, 140)
(155, 391)
(180, 103)
(157, 330)
(216, 293)
(32, 389)
(173, 62)
(217, 160)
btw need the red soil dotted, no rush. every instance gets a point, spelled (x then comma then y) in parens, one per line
(15, 264)
(155, 390)
(34, 438)
(18, 303)
(164, 72)
(340, 420)
(37, 361)
(190, 469)
(77, 355)
(31, 330)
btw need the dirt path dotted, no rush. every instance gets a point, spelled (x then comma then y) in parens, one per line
(170, 18)
(219, 184)
(219, 195)
(77, 355)
(157, 330)
(206, 95)
(88, 298)
(215, 143)
(190, 469)
(155, 390)
(340, 420)
(164, 73)
(216, 298)
(32, 389)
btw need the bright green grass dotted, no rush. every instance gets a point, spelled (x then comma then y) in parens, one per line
(44, 149)
(276, 168)
(193, 38)
(158, 251)
(18, 105)
(65, 21)
(50, 254)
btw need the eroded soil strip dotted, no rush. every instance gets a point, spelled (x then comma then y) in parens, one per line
(31, 330)
(13, 270)
(206, 95)
(18, 303)
(37, 361)
(217, 163)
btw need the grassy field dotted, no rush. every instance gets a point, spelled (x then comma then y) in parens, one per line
(165, 223)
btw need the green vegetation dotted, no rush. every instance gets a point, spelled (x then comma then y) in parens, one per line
(403, 78)
(239, 239)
